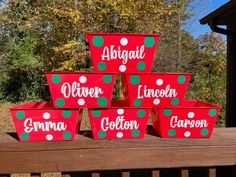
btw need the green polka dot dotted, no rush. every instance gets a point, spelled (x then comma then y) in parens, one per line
(141, 113)
(141, 66)
(97, 41)
(171, 132)
(102, 66)
(101, 134)
(102, 101)
(60, 102)
(134, 79)
(20, 115)
(56, 79)
(66, 113)
(135, 133)
(175, 101)
(181, 79)
(24, 136)
(167, 112)
(96, 113)
(204, 132)
(137, 102)
(67, 135)
(212, 112)
(149, 41)
(107, 78)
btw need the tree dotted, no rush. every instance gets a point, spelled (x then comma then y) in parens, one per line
(209, 72)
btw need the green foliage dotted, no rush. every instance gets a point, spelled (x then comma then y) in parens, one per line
(209, 72)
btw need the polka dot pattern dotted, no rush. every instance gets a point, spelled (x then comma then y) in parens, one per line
(49, 137)
(66, 113)
(212, 112)
(107, 78)
(96, 113)
(119, 135)
(81, 102)
(60, 102)
(122, 68)
(124, 41)
(167, 112)
(97, 41)
(101, 66)
(134, 79)
(46, 115)
(156, 101)
(141, 66)
(67, 135)
(159, 82)
(120, 111)
(149, 41)
(56, 79)
(141, 113)
(20, 115)
(204, 132)
(82, 79)
(101, 134)
(171, 132)
(187, 134)
(174, 101)
(102, 101)
(191, 115)
(135, 133)
(137, 102)
(24, 136)
(181, 79)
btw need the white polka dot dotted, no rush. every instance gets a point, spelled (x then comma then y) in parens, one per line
(119, 135)
(159, 82)
(122, 68)
(83, 79)
(156, 101)
(81, 102)
(187, 134)
(49, 137)
(120, 111)
(190, 115)
(124, 41)
(46, 115)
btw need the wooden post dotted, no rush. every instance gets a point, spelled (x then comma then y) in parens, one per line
(231, 77)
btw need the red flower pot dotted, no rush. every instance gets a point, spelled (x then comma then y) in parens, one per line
(122, 52)
(155, 89)
(119, 122)
(79, 90)
(194, 119)
(39, 121)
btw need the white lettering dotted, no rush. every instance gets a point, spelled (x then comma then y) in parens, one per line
(187, 123)
(35, 126)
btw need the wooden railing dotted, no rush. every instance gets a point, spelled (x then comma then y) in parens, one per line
(151, 156)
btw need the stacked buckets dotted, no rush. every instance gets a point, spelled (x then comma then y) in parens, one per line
(159, 95)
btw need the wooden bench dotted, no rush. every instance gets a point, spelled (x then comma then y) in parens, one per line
(93, 157)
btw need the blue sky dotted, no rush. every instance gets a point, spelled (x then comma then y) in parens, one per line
(201, 8)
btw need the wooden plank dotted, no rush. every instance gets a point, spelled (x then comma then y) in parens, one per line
(95, 174)
(221, 137)
(85, 154)
(125, 174)
(212, 172)
(36, 175)
(65, 175)
(155, 173)
(184, 173)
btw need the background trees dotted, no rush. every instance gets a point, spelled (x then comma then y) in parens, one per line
(41, 35)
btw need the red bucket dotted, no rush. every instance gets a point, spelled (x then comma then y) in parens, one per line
(195, 119)
(122, 52)
(119, 122)
(39, 121)
(80, 90)
(155, 89)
